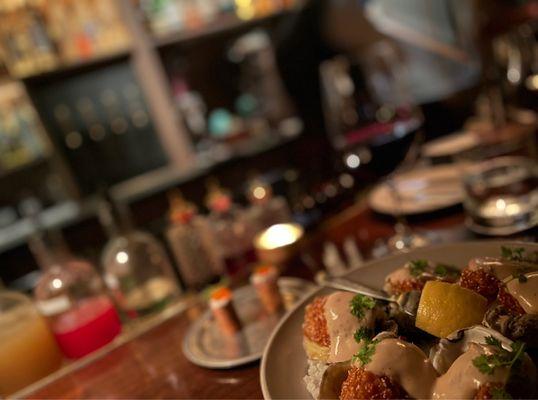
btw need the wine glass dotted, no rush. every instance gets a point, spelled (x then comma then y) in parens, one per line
(373, 123)
(516, 59)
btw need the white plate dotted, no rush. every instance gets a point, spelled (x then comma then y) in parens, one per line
(450, 145)
(420, 191)
(284, 361)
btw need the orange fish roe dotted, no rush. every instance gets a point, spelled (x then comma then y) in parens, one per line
(315, 324)
(509, 302)
(481, 282)
(409, 285)
(221, 293)
(484, 391)
(264, 269)
(362, 384)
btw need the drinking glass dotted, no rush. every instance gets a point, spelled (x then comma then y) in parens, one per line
(373, 122)
(502, 195)
(28, 351)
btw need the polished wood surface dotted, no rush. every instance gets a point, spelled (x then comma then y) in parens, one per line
(153, 366)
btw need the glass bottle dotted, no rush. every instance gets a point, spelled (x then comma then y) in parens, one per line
(71, 295)
(197, 261)
(136, 267)
(266, 210)
(28, 351)
(231, 233)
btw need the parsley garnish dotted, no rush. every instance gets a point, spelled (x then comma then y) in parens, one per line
(512, 254)
(440, 270)
(443, 270)
(499, 393)
(502, 358)
(365, 353)
(492, 341)
(359, 304)
(417, 267)
(363, 333)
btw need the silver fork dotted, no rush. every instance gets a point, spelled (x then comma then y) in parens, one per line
(407, 302)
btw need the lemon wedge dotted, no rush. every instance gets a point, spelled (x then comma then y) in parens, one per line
(447, 307)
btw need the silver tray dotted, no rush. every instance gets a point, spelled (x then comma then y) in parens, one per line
(205, 346)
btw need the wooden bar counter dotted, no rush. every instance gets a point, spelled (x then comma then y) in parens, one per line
(151, 364)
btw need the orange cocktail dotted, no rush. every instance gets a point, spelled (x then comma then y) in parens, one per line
(28, 350)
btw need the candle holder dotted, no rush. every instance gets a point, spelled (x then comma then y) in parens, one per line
(502, 196)
(278, 243)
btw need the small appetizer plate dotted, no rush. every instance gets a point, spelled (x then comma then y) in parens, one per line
(284, 362)
(205, 345)
(419, 191)
(450, 145)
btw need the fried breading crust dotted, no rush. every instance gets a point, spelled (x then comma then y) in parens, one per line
(409, 285)
(315, 324)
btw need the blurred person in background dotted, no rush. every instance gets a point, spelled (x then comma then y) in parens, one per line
(441, 41)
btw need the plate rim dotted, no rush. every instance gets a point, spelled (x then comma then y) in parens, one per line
(263, 364)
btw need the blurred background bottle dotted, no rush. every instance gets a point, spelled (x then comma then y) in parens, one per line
(136, 267)
(230, 232)
(266, 210)
(197, 261)
(71, 295)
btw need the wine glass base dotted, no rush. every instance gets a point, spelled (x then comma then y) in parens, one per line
(406, 241)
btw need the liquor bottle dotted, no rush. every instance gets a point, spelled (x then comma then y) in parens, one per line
(266, 210)
(73, 298)
(231, 233)
(197, 261)
(28, 351)
(136, 267)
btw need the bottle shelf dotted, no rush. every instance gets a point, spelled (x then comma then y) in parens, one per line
(69, 68)
(223, 25)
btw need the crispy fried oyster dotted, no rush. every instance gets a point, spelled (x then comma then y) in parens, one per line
(315, 325)
(362, 384)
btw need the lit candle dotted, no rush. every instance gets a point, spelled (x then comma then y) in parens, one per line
(276, 243)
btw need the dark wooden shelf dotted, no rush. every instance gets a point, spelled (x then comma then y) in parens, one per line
(79, 66)
(29, 164)
(162, 179)
(225, 24)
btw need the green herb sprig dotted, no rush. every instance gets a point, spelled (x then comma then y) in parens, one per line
(499, 393)
(519, 254)
(486, 363)
(443, 270)
(365, 353)
(363, 333)
(359, 304)
(515, 254)
(418, 267)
